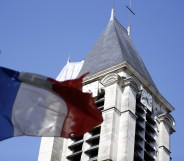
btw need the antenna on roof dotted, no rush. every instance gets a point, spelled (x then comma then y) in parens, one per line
(130, 13)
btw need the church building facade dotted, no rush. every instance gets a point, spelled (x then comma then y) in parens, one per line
(137, 121)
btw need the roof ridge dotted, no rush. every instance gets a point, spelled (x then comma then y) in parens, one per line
(118, 40)
(121, 25)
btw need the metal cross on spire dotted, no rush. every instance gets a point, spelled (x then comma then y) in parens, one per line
(130, 8)
(130, 13)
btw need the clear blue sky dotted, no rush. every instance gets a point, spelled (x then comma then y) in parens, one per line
(38, 35)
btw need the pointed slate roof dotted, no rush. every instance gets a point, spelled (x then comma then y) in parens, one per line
(113, 47)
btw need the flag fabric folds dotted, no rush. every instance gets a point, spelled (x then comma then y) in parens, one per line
(35, 105)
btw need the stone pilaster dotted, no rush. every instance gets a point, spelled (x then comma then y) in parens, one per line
(118, 129)
(57, 149)
(127, 123)
(166, 123)
(46, 146)
(109, 128)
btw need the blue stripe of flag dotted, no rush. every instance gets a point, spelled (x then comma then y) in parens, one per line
(9, 86)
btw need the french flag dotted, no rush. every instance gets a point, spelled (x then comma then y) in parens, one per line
(35, 105)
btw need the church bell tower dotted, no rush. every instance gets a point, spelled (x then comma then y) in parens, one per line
(137, 121)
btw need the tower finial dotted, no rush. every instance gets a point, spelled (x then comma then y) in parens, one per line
(129, 30)
(112, 14)
(131, 12)
(68, 58)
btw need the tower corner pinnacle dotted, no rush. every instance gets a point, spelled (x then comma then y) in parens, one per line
(112, 14)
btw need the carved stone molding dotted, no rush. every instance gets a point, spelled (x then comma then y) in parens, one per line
(168, 120)
(110, 79)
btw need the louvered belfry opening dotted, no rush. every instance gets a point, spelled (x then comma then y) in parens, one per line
(76, 149)
(92, 140)
(145, 142)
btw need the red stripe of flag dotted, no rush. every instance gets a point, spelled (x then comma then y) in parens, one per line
(83, 114)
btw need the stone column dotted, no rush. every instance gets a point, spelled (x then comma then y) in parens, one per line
(166, 123)
(118, 129)
(50, 149)
(127, 122)
(57, 149)
(109, 128)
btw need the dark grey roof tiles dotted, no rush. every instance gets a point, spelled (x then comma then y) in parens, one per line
(114, 47)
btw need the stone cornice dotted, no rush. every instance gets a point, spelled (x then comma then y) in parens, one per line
(166, 149)
(131, 113)
(126, 66)
(103, 73)
(120, 112)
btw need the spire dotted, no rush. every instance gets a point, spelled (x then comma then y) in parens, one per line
(113, 47)
(112, 14)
